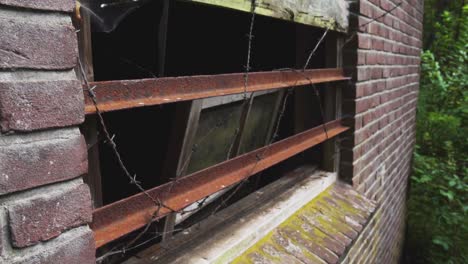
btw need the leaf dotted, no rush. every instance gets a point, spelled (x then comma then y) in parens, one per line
(440, 242)
(425, 178)
(452, 183)
(465, 208)
(449, 194)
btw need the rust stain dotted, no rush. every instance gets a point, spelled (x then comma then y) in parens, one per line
(120, 218)
(118, 95)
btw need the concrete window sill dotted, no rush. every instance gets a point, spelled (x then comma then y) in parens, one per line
(306, 216)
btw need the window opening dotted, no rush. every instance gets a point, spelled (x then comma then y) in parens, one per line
(169, 141)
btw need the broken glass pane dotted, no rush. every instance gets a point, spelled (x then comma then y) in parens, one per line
(215, 136)
(258, 129)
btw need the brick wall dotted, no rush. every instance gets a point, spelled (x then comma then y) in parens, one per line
(383, 58)
(44, 205)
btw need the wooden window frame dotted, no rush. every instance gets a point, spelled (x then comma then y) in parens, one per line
(187, 116)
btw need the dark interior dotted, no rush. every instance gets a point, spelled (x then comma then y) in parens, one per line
(141, 136)
(201, 40)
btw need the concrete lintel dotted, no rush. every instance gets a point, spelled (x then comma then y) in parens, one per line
(332, 14)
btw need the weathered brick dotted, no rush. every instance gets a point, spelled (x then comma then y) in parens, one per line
(26, 43)
(41, 158)
(385, 100)
(45, 217)
(364, 41)
(54, 5)
(73, 247)
(26, 106)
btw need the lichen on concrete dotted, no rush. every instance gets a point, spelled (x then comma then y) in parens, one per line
(319, 232)
(332, 14)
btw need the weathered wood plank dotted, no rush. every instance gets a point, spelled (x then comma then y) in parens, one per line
(333, 103)
(183, 136)
(89, 128)
(331, 14)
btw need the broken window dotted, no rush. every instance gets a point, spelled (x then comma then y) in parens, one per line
(189, 121)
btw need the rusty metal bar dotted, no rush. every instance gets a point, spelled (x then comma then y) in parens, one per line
(120, 218)
(117, 95)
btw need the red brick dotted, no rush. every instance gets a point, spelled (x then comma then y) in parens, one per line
(41, 158)
(362, 105)
(363, 74)
(376, 73)
(371, 58)
(54, 5)
(378, 44)
(361, 58)
(46, 217)
(365, 9)
(43, 45)
(43, 104)
(364, 41)
(74, 247)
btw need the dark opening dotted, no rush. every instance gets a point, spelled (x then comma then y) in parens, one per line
(141, 136)
(201, 40)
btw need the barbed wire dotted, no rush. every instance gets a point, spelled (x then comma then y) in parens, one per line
(111, 142)
(368, 23)
(158, 203)
(259, 157)
(110, 139)
(312, 52)
(126, 249)
(249, 47)
(244, 107)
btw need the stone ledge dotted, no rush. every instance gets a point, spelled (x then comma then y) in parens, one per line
(225, 235)
(305, 217)
(320, 232)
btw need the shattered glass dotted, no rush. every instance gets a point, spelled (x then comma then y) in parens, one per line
(259, 124)
(215, 135)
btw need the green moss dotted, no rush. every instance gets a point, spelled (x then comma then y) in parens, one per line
(292, 223)
(343, 207)
(314, 224)
(265, 8)
(246, 257)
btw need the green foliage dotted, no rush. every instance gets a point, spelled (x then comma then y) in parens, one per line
(438, 205)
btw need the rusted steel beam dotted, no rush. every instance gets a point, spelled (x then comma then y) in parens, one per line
(120, 218)
(117, 95)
